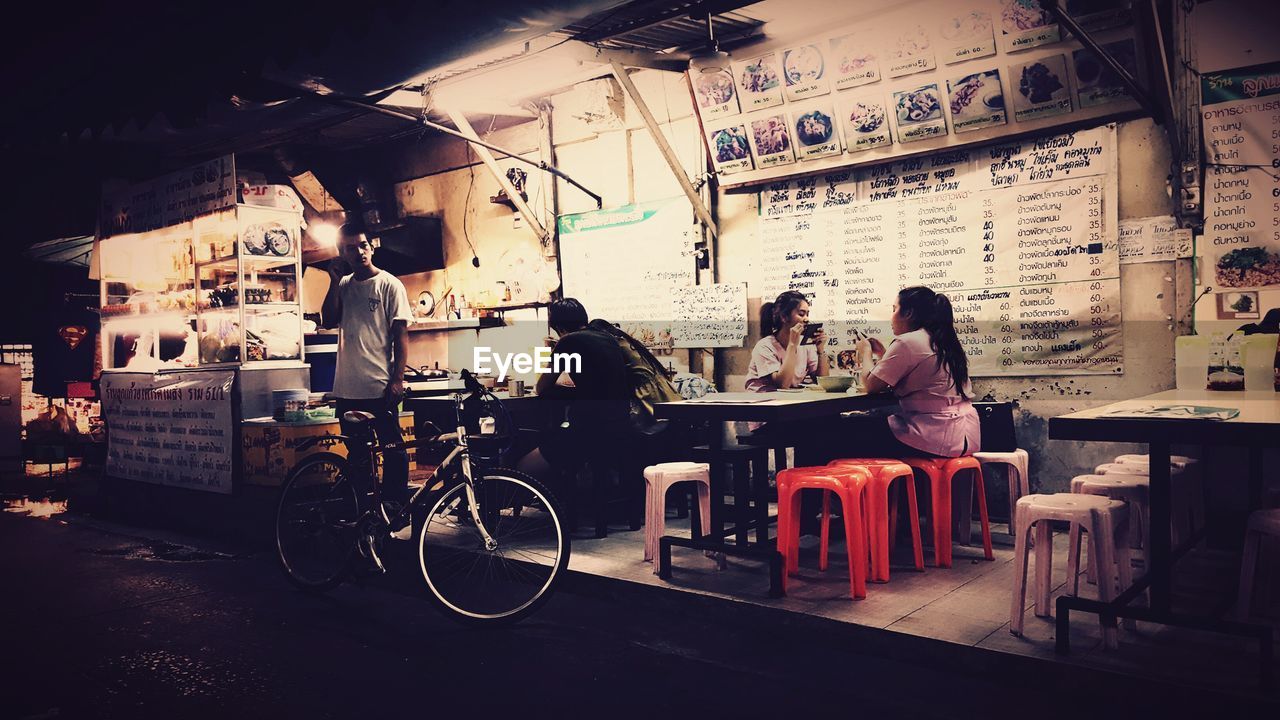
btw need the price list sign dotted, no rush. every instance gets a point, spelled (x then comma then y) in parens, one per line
(1240, 118)
(1021, 237)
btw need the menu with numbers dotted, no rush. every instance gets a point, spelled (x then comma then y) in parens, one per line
(1022, 237)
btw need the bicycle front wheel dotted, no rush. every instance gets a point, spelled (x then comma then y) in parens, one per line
(481, 581)
(316, 523)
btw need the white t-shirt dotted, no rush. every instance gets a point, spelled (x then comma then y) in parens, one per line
(365, 347)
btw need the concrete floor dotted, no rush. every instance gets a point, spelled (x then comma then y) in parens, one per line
(967, 604)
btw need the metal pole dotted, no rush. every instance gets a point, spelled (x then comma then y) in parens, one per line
(1073, 27)
(541, 165)
(469, 134)
(699, 208)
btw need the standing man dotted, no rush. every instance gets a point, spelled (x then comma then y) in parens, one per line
(371, 310)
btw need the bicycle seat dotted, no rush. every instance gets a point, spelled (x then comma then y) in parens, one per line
(357, 417)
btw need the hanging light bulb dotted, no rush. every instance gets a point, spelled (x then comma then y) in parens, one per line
(709, 59)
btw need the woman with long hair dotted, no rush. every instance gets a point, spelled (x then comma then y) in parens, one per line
(779, 361)
(926, 369)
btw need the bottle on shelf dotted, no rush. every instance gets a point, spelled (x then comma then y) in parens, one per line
(452, 309)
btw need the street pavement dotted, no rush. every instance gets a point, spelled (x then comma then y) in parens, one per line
(111, 621)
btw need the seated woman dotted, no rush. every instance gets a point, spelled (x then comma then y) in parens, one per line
(926, 369)
(779, 361)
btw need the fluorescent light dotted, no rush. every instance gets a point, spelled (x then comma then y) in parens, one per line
(325, 234)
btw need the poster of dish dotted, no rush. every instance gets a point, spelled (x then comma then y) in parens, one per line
(853, 61)
(1025, 24)
(918, 113)
(866, 122)
(804, 72)
(1040, 88)
(966, 36)
(976, 101)
(1096, 82)
(1094, 15)
(770, 139)
(759, 82)
(909, 52)
(815, 129)
(715, 92)
(730, 149)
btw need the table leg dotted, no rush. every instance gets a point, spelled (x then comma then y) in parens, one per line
(716, 444)
(1161, 570)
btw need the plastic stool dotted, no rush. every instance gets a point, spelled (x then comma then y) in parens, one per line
(1261, 523)
(1019, 469)
(847, 483)
(660, 478)
(1106, 522)
(1191, 485)
(1183, 495)
(875, 504)
(1135, 492)
(941, 473)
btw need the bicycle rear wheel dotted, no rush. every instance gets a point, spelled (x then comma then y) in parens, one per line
(316, 523)
(480, 583)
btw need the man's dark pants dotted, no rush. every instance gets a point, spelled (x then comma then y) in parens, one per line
(386, 423)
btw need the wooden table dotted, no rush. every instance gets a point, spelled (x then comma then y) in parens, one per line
(778, 407)
(1256, 427)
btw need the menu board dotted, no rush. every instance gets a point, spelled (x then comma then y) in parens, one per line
(706, 316)
(1022, 237)
(625, 264)
(925, 76)
(1240, 117)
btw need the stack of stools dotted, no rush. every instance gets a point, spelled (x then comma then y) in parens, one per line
(1188, 488)
(876, 516)
(1133, 491)
(847, 483)
(1262, 523)
(941, 473)
(1106, 522)
(660, 478)
(1186, 511)
(1018, 467)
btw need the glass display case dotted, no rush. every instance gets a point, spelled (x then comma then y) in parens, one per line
(222, 289)
(247, 268)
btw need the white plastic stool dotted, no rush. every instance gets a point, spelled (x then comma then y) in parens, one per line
(1105, 520)
(658, 479)
(1261, 523)
(1185, 495)
(1134, 491)
(1019, 470)
(1191, 484)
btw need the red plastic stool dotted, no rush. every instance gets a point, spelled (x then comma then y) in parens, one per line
(941, 473)
(875, 505)
(847, 483)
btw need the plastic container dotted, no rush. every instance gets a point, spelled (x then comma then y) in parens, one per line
(288, 405)
(1191, 361)
(1259, 352)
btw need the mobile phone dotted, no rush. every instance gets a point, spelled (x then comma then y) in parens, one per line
(806, 335)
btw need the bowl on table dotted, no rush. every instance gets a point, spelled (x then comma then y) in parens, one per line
(836, 383)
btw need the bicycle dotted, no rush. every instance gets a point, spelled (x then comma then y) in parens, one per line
(491, 545)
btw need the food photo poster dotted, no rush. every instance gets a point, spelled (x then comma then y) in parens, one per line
(1096, 82)
(966, 35)
(716, 93)
(770, 139)
(866, 122)
(759, 82)
(910, 52)
(804, 72)
(855, 60)
(1040, 88)
(730, 149)
(1025, 24)
(976, 101)
(815, 129)
(918, 113)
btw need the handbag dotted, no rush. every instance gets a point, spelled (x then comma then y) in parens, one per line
(996, 422)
